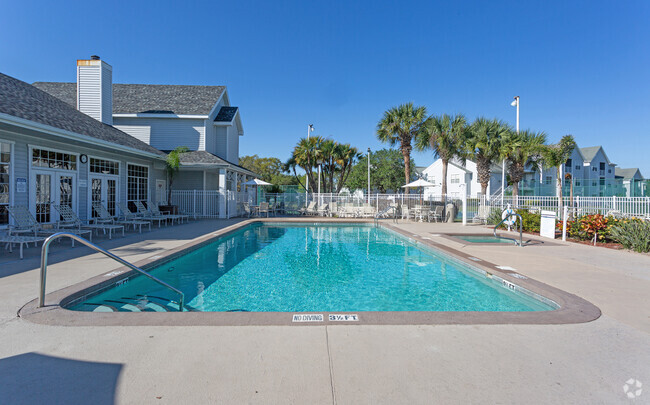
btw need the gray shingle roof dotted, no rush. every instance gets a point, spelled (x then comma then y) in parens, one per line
(626, 173)
(147, 98)
(589, 153)
(226, 114)
(25, 101)
(201, 157)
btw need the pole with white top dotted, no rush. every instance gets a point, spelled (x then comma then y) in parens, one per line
(310, 128)
(368, 176)
(515, 103)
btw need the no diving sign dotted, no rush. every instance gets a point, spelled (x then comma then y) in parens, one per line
(321, 318)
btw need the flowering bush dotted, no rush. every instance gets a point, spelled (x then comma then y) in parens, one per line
(586, 226)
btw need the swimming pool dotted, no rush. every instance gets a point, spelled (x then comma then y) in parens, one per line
(278, 267)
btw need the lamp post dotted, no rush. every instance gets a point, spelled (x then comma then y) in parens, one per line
(310, 129)
(368, 176)
(515, 103)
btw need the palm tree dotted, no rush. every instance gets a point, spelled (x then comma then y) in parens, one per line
(484, 144)
(306, 154)
(172, 166)
(520, 149)
(445, 135)
(345, 156)
(400, 125)
(555, 156)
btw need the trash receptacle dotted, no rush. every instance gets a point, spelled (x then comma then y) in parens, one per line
(450, 212)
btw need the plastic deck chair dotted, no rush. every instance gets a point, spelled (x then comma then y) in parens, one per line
(106, 217)
(71, 220)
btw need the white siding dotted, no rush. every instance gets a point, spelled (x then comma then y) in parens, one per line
(221, 142)
(95, 90)
(88, 91)
(107, 95)
(165, 133)
(233, 145)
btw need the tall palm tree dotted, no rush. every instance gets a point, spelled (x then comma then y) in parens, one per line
(555, 156)
(521, 149)
(401, 125)
(329, 167)
(483, 144)
(345, 156)
(306, 154)
(445, 135)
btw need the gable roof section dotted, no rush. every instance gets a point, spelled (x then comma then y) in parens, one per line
(590, 152)
(22, 100)
(206, 159)
(147, 98)
(627, 173)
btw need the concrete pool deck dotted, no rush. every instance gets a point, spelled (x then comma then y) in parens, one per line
(571, 363)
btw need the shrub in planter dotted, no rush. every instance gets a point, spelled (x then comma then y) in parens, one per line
(632, 234)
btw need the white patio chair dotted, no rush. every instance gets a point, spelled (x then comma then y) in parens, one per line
(71, 220)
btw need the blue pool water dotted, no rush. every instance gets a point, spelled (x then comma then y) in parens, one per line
(308, 267)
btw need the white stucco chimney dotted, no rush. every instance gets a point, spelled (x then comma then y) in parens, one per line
(95, 89)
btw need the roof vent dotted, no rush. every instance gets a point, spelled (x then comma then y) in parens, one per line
(94, 57)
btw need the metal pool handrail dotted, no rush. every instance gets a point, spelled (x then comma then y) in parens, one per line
(44, 253)
(521, 221)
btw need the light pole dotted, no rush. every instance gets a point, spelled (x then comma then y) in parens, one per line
(368, 176)
(515, 103)
(310, 129)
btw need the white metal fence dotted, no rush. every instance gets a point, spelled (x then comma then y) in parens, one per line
(197, 203)
(207, 204)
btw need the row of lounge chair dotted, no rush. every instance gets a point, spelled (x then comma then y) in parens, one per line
(26, 229)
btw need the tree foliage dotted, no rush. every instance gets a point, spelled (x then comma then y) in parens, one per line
(335, 160)
(483, 145)
(400, 126)
(269, 169)
(445, 135)
(520, 149)
(172, 166)
(386, 171)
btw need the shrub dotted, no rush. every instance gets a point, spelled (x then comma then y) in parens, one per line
(530, 221)
(632, 234)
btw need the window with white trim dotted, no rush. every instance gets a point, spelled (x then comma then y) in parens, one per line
(5, 181)
(137, 184)
(53, 160)
(455, 179)
(549, 180)
(102, 166)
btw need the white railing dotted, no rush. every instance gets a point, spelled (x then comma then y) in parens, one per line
(206, 204)
(197, 203)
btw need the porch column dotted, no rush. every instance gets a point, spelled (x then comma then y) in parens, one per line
(222, 193)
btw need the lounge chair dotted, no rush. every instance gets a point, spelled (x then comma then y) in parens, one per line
(105, 217)
(24, 222)
(482, 216)
(153, 208)
(310, 210)
(10, 240)
(145, 214)
(323, 210)
(71, 220)
(334, 209)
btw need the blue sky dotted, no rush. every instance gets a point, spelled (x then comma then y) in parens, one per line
(580, 67)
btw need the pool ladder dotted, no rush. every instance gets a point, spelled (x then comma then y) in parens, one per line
(51, 238)
(512, 214)
(384, 212)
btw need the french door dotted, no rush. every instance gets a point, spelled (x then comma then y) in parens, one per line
(51, 187)
(103, 189)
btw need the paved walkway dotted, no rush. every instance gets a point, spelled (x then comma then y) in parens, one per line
(581, 363)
